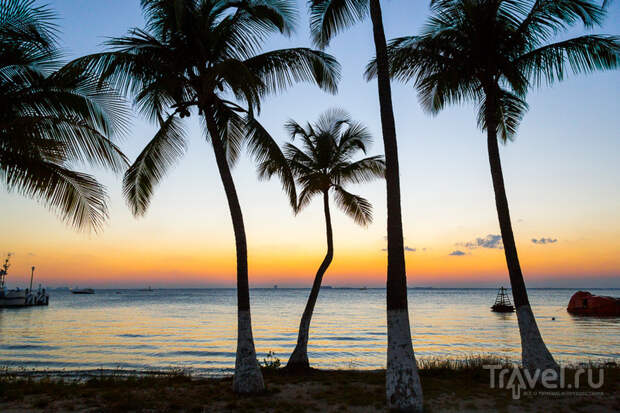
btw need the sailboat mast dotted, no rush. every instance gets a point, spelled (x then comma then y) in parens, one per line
(4, 270)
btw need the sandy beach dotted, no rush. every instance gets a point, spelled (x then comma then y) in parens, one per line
(463, 389)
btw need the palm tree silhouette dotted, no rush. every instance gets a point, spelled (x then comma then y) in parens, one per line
(326, 163)
(491, 52)
(327, 18)
(52, 117)
(200, 56)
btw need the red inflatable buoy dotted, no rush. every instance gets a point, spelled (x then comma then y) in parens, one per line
(584, 303)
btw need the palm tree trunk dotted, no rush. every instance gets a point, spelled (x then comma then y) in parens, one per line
(403, 388)
(535, 354)
(299, 358)
(248, 377)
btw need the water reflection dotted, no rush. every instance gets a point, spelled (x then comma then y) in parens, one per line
(197, 328)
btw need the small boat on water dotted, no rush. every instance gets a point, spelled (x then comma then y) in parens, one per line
(17, 297)
(584, 303)
(502, 302)
(82, 291)
(12, 298)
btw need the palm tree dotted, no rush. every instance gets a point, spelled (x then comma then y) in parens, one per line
(326, 163)
(491, 52)
(52, 117)
(202, 56)
(327, 18)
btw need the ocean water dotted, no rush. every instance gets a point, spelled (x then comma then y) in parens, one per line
(196, 328)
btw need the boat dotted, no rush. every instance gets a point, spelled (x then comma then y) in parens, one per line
(18, 297)
(10, 298)
(144, 289)
(584, 303)
(39, 297)
(502, 302)
(82, 291)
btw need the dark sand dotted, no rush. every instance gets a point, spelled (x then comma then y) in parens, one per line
(445, 390)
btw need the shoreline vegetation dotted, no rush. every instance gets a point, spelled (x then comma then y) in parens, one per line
(449, 385)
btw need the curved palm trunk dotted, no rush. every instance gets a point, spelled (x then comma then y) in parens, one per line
(535, 354)
(299, 358)
(248, 377)
(403, 388)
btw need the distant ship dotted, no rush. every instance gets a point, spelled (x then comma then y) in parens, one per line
(147, 289)
(82, 291)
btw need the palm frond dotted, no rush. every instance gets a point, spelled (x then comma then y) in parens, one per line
(26, 25)
(305, 196)
(231, 124)
(300, 162)
(355, 137)
(354, 206)
(330, 17)
(272, 14)
(53, 117)
(364, 170)
(582, 54)
(435, 70)
(280, 69)
(166, 147)
(270, 159)
(509, 112)
(80, 142)
(546, 18)
(78, 198)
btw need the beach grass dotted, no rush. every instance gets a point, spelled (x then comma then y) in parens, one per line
(449, 385)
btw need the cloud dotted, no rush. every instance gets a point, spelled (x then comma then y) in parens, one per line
(544, 240)
(490, 241)
(457, 253)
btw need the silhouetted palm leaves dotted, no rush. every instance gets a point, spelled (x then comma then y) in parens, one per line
(52, 118)
(198, 55)
(203, 57)
(492, 52)
(326, 162)
(470, 47)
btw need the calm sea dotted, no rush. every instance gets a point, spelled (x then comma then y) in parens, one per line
(196, 328)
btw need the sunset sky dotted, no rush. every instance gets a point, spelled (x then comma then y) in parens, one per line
(562, 176)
